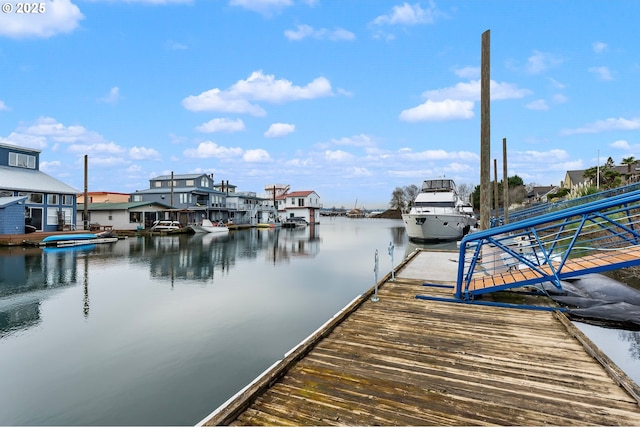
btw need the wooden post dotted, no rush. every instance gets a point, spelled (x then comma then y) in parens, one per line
(85, 214)
(505, 183)
(496, 202)
(485, 133)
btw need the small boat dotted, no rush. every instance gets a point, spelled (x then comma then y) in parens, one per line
(270, 224)
(167, 226)
(77, 239)
(208, 227)
(438, 213)
(295, 222)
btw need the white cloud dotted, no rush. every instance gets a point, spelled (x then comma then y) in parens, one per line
(99, 148)
(603, 73)
(606, 125)
(143, 153)
(355, 141)
(59, 16)
(277, 130)
(621, 144)
(256, 156)
(540, 62)
(540, 157)
(437, 111)
(221, 125)
(174, 45)
(257, 87)
(211, 149)
(467, 72)
(112, 97)
(560, 98)
(3, 106)
(337, 156)
(599, 47)
(409, 154)
(264, 7)
(217, 100)
(471, 91)
(408, 14)
(538, 104)
(306, 31)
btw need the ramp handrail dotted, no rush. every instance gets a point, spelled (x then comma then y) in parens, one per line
(539, 209)
(548, 248)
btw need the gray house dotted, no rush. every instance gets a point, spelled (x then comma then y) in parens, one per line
(49, 204)
(191, 196)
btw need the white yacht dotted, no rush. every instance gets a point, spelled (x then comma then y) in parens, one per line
(438, 213)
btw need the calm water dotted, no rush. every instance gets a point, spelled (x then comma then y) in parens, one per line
(162, 330)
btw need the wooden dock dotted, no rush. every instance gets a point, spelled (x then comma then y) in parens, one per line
(407, 361)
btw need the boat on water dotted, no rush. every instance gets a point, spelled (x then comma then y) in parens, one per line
(78, 239)
(209, 227)
(438, 213)
(167, 226)
(295, 222)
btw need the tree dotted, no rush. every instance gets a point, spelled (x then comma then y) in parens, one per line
(410, 193)
(397, 199)
(629, 161)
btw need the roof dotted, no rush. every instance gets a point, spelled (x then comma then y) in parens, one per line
(17, 147)
(167, 190)
(119, 206)
(296, 194)
(177, 176)
(6, 201)
(22, 179)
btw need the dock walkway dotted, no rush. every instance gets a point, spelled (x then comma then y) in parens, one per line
(408, 361)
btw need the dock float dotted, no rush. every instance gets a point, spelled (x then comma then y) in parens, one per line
(405, 360)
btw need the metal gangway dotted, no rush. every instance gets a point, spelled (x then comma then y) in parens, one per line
(594, 237)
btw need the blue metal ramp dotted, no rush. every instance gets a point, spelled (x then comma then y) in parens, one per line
(594, 237)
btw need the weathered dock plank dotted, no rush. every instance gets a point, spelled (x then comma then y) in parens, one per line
(408, 361)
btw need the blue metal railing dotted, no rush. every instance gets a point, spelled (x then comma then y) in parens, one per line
(596, 236)
(543, 208)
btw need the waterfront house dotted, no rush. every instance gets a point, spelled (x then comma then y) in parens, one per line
(191, 196)
(300, 204)
(48, 204)
(122, 216)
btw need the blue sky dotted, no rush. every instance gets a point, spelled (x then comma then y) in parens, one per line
(350, 98)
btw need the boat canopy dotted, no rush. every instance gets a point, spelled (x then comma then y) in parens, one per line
(430, 185)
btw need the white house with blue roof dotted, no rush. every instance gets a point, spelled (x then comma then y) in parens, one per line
(43, 201)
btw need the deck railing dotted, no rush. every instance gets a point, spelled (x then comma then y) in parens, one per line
(593, 237)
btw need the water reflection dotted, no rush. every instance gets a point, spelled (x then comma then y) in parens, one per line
(28, 276)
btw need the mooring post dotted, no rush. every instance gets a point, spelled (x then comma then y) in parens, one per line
(375, 298)
(391, 247)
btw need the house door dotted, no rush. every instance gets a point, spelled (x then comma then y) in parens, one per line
(36, 218)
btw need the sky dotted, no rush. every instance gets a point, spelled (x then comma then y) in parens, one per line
(349, 98)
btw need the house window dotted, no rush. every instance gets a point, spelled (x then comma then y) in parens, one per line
(136, 197)
(52, 216)
(135, 216)
(185, 198)
(157, 184)
(189, 183)
(34, 197)
(22, 160)
(52, 199)
(67, 199)
(300, 202)
(204, 182)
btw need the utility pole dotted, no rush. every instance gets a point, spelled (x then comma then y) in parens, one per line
(505, 183)
(485, 132)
